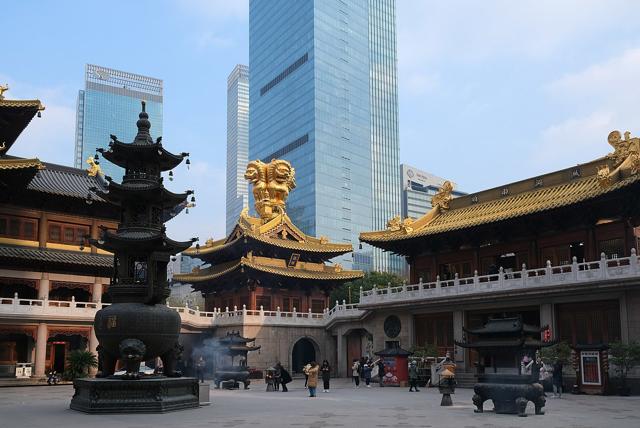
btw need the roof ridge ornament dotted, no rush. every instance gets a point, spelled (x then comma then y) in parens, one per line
(3, 88)
(625, 158)
(271, 183)
(439, 202)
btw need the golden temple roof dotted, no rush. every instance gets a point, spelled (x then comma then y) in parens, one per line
(259, 248)
(37, 104)
(302, 270)
(18, 163)
(278, 232)
(558, 189)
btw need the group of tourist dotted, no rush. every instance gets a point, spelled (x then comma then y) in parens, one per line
(366, 369)
(311, 373)
(540, 371)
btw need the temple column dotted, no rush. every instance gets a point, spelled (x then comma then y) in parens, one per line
(43, 287)
(42, 230)
(546, 317)
(96, 291)
(93, 345)
(41, 349)
(342, 355)
(94, 234)
(458, 333)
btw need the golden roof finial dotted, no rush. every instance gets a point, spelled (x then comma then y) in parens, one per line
(271, 183)
(625, 157)
(3, 88)
(94, 169)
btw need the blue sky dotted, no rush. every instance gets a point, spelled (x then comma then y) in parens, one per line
(490, 91)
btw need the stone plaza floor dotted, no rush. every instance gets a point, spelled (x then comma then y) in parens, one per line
(48, 407)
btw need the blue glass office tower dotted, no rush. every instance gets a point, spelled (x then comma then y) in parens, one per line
(323, 95)
(109, 104)
(237, 143)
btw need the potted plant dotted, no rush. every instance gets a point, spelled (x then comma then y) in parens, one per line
(79, 362)
(624, 356)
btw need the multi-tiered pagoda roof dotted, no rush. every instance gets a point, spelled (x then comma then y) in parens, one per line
(268, 250)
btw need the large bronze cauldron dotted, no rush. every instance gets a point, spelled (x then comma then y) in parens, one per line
(509, 393)
(135, 332)
(230, 376)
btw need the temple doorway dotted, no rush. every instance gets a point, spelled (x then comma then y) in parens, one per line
(303, 353)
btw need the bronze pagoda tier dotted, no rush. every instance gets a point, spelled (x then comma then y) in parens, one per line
(268, 254)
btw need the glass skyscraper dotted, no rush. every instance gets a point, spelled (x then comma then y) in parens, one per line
(324, 96)
(237, 143)
(109, 104)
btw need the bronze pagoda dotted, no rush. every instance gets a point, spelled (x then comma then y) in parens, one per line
(138, 326)
(227, 349)
(506, 338)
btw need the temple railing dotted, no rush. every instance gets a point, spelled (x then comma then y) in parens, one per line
(49, 309)
(507, 280)
(193, 317)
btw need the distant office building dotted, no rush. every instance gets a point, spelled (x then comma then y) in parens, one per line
(418, 187)
(237, 143)
(109, 101)
(324, 96)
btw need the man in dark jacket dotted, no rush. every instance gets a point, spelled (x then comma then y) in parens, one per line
(413, 377)
(380, 372)
(557, 379)
(285, 377)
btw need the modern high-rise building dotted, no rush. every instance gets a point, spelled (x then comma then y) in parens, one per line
(109, 101)
(324, 96)
(418, 187)
(237, 143)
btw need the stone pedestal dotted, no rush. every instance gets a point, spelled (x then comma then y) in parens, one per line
(205, 388)
(151, 395)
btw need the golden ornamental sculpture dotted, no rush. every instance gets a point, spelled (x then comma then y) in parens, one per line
(94, 169)
(3, 89)
(442, 198)
(439, 202)
(625, 158)
(271, 183)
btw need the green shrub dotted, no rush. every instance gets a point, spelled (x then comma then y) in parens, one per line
(78, 364)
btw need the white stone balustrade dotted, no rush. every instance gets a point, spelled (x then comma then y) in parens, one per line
(525, 279)
(43, 309)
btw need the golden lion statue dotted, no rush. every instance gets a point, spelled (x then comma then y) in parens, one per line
(271, 183)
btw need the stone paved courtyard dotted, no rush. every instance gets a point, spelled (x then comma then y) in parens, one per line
(36, 407)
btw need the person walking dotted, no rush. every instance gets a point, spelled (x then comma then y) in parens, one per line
(326, 375)
(557, 379)
(285, 377)
(312, 377)
(413, 377)
(380, 372)
(200, 365)
(367, 374)
(306, 376)
(535, 370)
(355, 372)
(277, 375)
